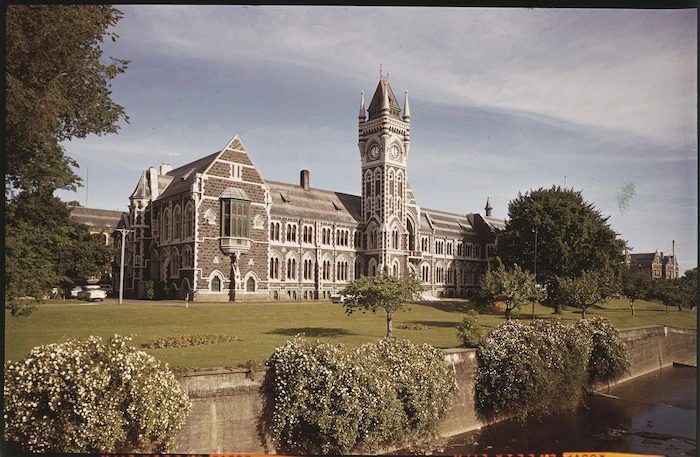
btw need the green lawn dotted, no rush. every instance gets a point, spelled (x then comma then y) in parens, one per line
(262, 327)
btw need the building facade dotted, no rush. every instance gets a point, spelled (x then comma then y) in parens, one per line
(215, 229)
(655, 264)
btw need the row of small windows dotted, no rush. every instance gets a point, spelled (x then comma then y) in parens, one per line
(442, 248)
(341, 271)
(342, 237)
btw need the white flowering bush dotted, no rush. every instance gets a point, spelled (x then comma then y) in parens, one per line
(328, 399)
(609, 357)
(469, 332)
(530, 369)
(92, 396)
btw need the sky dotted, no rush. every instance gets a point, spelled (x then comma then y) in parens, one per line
(502, 101)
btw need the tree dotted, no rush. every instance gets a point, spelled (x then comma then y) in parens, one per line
(513, 287)
(689, 285)
(679, 292)
(57, 89)
(382, 292)
(45, 248)
(572, 237)
(584, 291)
(635, 284)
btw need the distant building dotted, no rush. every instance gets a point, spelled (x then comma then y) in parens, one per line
(217, 228)
(656, 264)
(100, 221)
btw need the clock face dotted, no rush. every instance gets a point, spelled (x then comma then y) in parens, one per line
(394, 152)
(374, 152)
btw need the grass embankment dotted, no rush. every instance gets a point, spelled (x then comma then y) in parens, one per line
(262, 327)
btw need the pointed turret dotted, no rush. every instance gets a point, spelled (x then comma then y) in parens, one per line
(406, 111)
(363, 112)
(488, 208)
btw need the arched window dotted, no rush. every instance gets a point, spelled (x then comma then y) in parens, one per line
(274, 268)
(165, 232)
(189, 220)
(250, 285)
(215, 284)
(291, 268)
(395, 239)
(177, 223)
(187, 258)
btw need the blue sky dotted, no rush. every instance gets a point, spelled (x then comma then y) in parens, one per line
(502, 101)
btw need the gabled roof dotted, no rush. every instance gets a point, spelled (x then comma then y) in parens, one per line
(182, 178)
(289, 200)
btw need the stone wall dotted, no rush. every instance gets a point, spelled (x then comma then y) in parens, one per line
(226, 405)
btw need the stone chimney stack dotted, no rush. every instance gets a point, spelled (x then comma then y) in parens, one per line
(165, 168)
(304, 179)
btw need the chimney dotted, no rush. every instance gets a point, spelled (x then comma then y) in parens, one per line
(304, 179)
(165, 168)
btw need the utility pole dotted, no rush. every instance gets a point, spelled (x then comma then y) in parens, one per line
(533, 301)
(123, 231)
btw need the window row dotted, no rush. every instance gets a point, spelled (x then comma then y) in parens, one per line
(342, 270)
(342, 236)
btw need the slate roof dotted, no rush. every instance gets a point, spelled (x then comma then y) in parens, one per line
(644, 259)
(291, 200)
(375, 106)
(181, 179)
(96, 217)
(445, 224)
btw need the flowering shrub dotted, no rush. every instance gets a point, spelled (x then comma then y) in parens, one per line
(91, 396)
(609, 359)
(181, 341)
(530, 369)
(469, 332)
(331, 400)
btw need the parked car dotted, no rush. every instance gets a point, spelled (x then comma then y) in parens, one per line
(338, 298)
(75, 291)
(107, 288)
(92, 293)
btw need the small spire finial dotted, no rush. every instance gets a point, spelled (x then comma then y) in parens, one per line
(380, 70)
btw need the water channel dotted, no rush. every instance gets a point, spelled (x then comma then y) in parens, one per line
(653, 414)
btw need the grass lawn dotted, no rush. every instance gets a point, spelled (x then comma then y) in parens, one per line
(263, 326)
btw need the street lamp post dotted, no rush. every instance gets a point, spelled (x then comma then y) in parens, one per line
(533, 301)
(123, 231)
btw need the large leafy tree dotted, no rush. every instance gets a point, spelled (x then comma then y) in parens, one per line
(572, 237)
(514, 287)
(44, 248)
(58, 89)
(381, 293)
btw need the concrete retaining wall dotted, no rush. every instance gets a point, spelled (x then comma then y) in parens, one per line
(226, 405)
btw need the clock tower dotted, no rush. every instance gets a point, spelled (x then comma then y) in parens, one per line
(387, 201)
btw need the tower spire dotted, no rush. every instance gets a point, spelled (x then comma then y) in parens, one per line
(363, 112)
(406, 111)
(488, 208)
